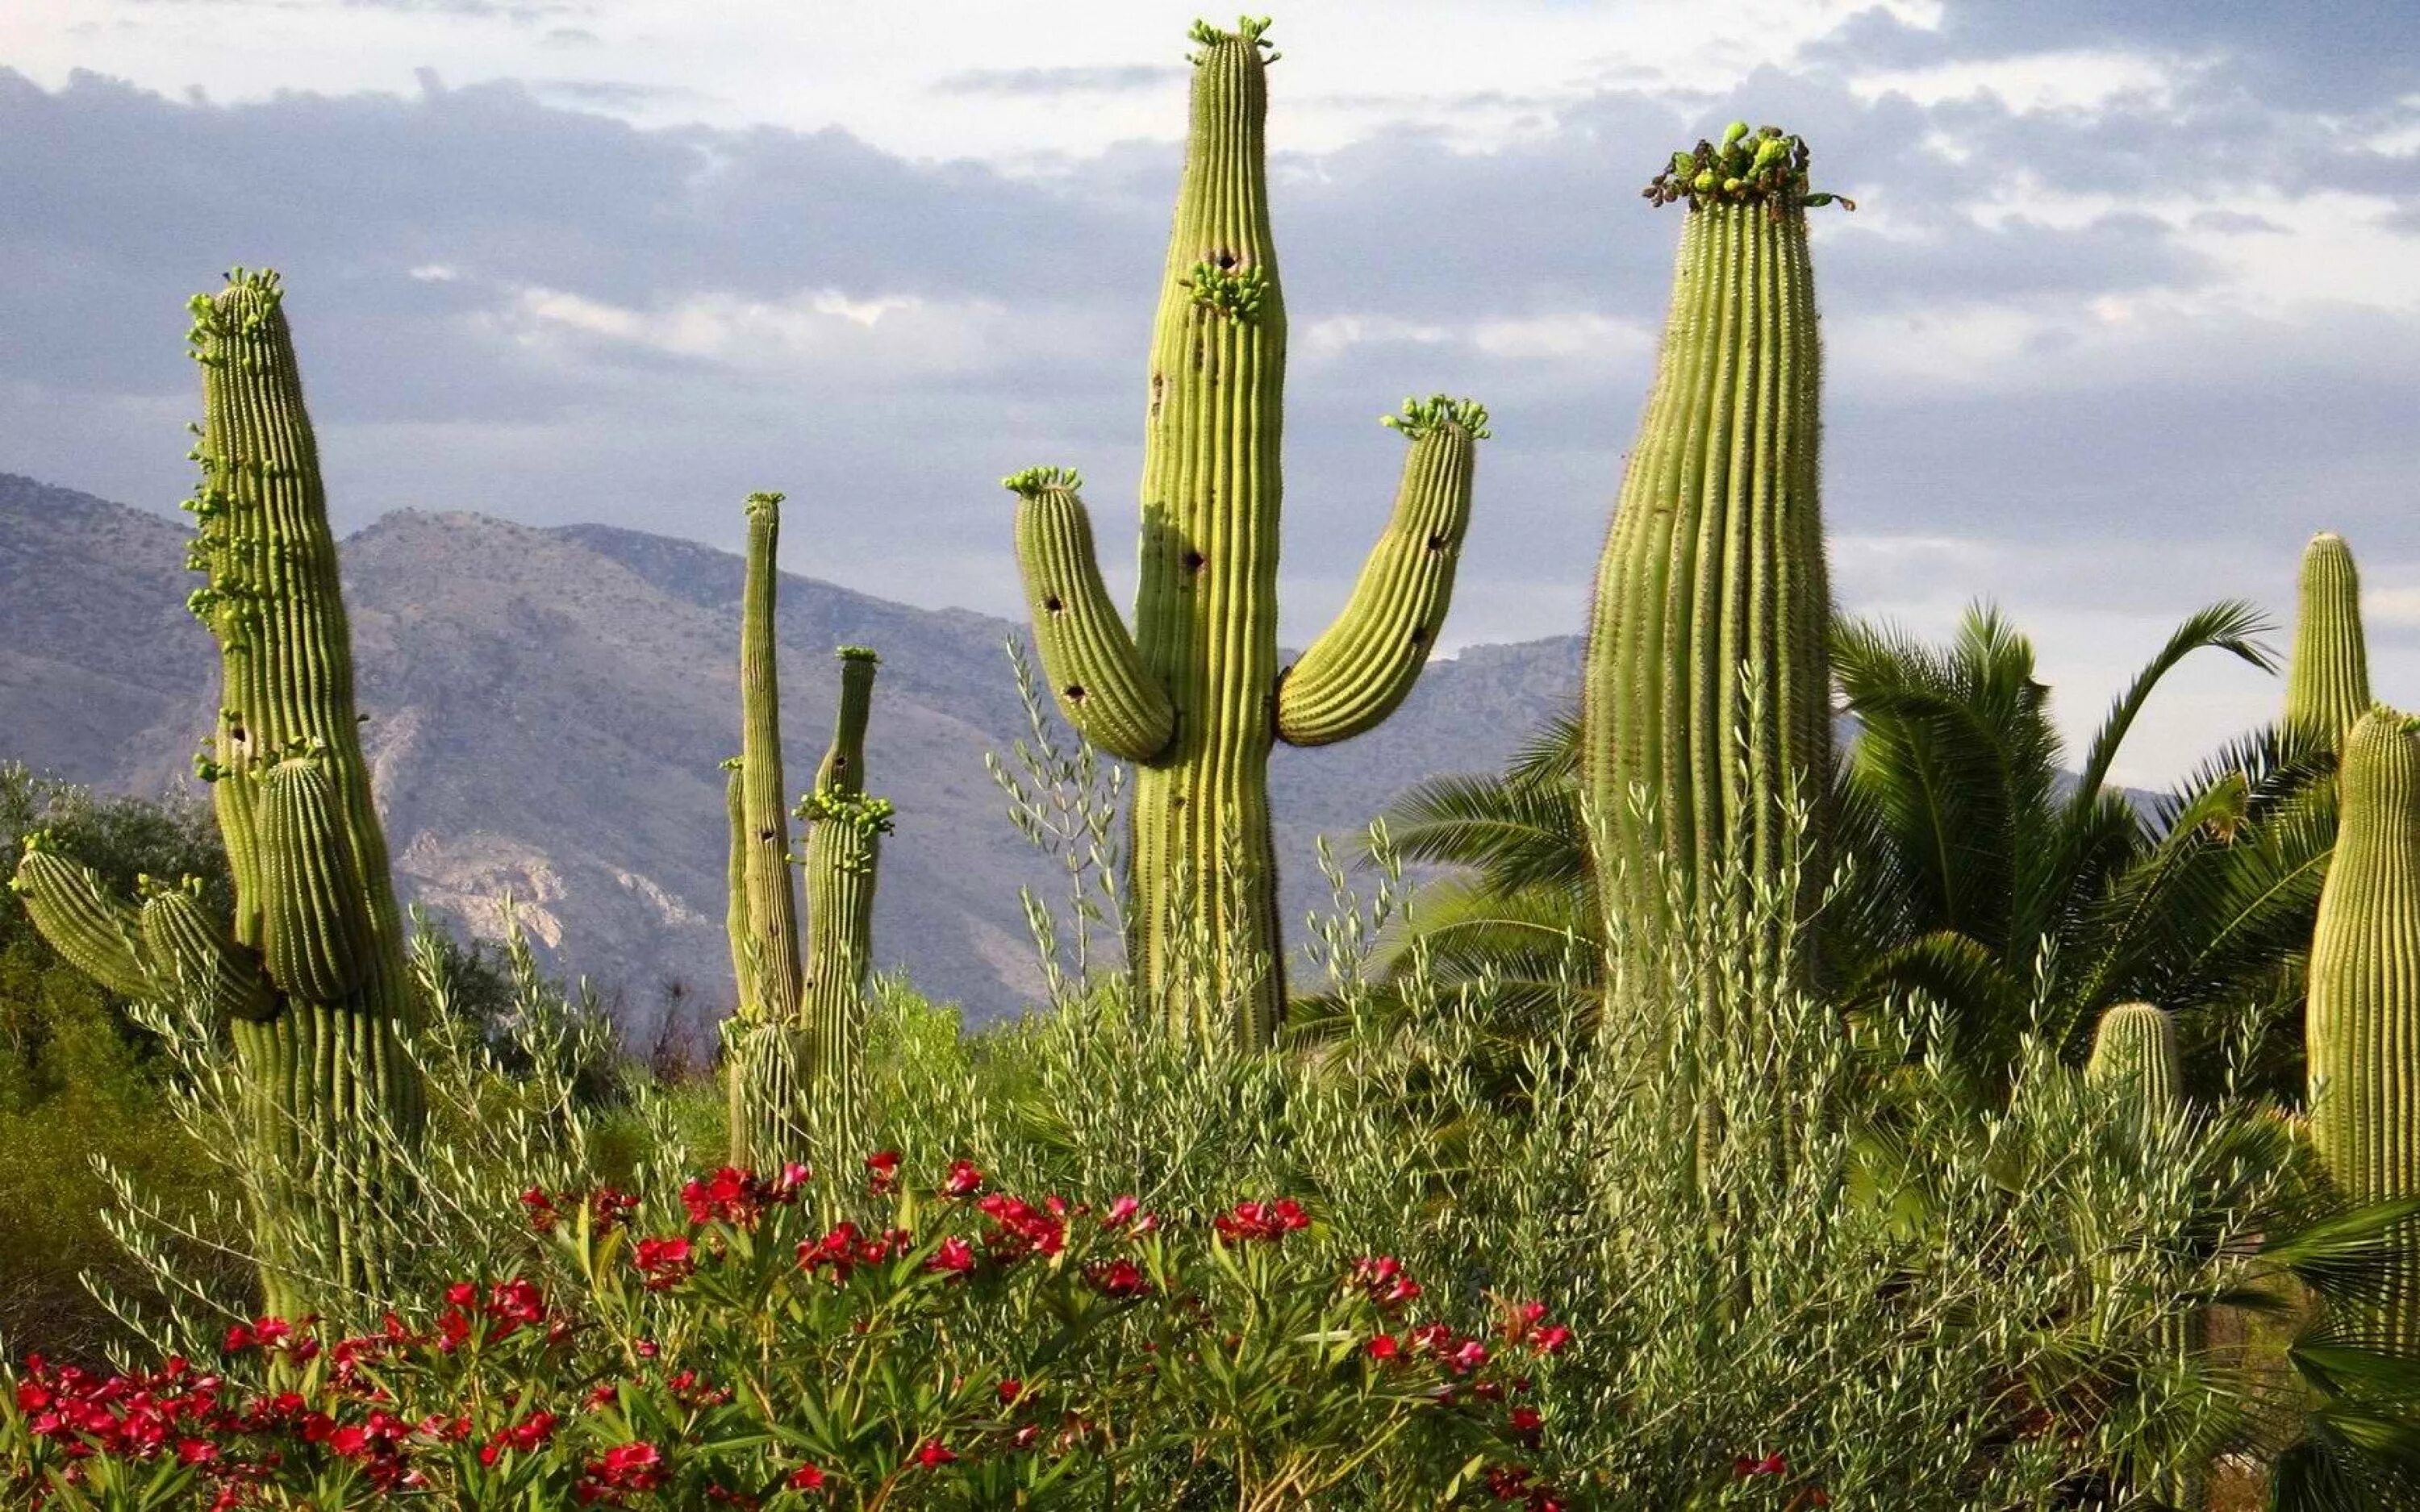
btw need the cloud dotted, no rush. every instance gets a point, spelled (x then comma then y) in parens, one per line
(1060, 81)
(2119, 322)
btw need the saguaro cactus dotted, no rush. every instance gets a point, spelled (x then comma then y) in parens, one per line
(2327, 688)
(2362, 1027)
(310, 973)
(793, 1046)
(1194, 696)
(1706, 697)
(844, 830)
(2136, 1044)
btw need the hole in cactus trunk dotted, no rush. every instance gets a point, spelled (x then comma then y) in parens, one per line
(1420, 635)
(1195, 561)
(1075, 692)
(1437, 542)
(1053, 605)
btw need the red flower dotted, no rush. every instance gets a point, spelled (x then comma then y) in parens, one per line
(1383, 1279)
(1383, 1347)
(665, 1262)
(609, 1210)
(933, 1453)
(1551, 1338)
(882, 1172)
(805, 1478)
(1119, 1211)
(196, 1451)
(1020, 1229)
(1268, 1221)
(1469, 1357)
(1526, 1422)
(540, 1208)
(964, 1179)
(1745, 1467)
(1010, 1390)
(955, 1256)
(1118, 1279)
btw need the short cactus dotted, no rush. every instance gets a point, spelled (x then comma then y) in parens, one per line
(794, 1044)
(2327, 686)
(1706, 696)
(310, 973)
(1194, 696)
(2135, 1044)
(2362, 1024)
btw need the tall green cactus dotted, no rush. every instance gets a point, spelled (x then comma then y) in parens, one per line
(310, 974)
(1706, 695)
(2361, 1024)
(844, 830)
(1194, 696)
(2135, 1044)
(793, 1047)
(2327, 686)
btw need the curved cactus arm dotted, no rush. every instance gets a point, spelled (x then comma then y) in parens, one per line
(99, 933)
(735, 922)
(1100, 681)
(315, 931)
(2136, 1044)
(1364, 665)
(844, 765)
(772, 906)
(2327, 685)
(192, 952)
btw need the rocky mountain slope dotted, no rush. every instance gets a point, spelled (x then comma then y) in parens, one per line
(549, 707)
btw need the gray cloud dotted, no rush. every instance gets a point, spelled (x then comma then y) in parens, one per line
(550, 315)
(1060, 81)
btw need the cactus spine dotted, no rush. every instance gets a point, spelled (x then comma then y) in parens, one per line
(1706, 697)
(792, 1048)
(2362, 1030)
(310, 973)
(2136, 1044)
(1193, 695)
(2327, 688)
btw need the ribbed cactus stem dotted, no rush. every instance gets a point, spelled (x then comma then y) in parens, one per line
(2136, 1045)
(844, 849)
(772, 906)
(2362, 1030)
(2327, 686)
(1194, 695)
(311, 973)
(1706, 697)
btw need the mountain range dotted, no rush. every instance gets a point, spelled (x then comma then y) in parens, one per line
(548, 710)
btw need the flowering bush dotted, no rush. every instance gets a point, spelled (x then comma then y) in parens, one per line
(969, 1346)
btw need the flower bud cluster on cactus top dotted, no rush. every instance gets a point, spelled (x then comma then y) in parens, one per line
(749, 1356)
(1762, 167)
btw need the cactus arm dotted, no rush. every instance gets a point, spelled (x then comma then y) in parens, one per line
(772, 906)
(315, 934)
(844, 765)
(2136, 1044)
(1364, 665)
(1095, 673)
(98, 933)
(2327, 685)
(735, 922)
(192, 953)
(2362, 1015)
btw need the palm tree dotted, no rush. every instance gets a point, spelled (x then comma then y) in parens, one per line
(1977, 872)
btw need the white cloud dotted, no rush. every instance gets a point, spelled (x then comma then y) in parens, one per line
(2038, 81)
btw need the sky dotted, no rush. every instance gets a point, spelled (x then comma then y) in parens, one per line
(2130, 305)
